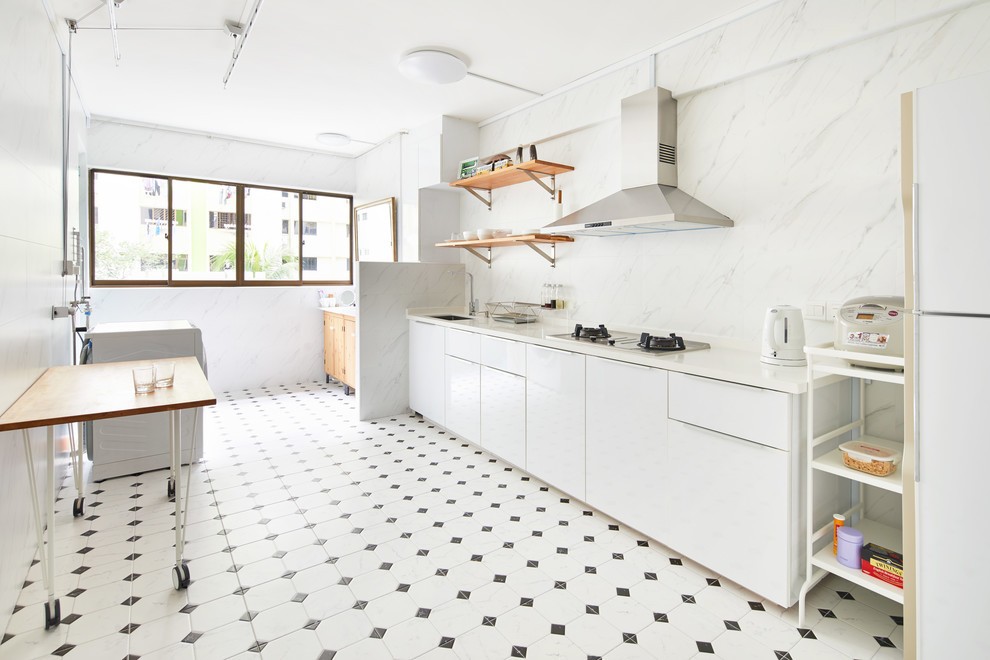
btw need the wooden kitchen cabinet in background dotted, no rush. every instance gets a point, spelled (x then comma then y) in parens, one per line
(339, 337)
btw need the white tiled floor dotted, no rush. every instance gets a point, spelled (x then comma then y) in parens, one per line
(314, 536)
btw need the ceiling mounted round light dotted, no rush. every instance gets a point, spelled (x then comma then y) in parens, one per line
(333, 139)
(432, 66)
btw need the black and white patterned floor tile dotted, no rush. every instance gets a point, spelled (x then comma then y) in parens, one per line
(312, 535)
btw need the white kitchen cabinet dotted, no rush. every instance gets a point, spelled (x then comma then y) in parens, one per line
(440, 146)
(503, 414)
(504, 355)
(731, 507)
(752, 413)
(555, 416)
(626, 443)
(426, 381)
(733, 488)
(462, 344)
(462, 397)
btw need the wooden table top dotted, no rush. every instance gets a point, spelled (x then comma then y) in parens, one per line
(100, 391)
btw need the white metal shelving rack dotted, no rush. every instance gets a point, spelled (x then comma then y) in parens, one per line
(829, 360)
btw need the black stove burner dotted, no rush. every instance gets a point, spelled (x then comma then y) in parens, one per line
(670, 343)
(594, 334)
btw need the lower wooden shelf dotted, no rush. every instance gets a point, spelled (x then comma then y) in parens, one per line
(529, 240)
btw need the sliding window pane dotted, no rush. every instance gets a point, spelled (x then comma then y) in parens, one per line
(271, 235)
(204, 230)
(326, 229)
(130, 227)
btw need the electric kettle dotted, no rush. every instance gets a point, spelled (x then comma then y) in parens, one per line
(783, 337)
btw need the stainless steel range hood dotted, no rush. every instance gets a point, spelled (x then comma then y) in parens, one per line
(649, 201)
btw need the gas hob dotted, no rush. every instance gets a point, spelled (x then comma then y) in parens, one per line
(644, 342)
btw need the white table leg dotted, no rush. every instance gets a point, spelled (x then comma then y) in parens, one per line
(76, 456)
(180, 574)
(46, 551)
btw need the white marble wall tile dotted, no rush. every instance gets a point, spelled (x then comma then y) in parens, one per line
(30, 258)
(386, 291)
(379, 176)
(803, 156)
(116, 145)
(253, 336)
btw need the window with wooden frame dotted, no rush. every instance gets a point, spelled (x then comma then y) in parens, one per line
(151, 230)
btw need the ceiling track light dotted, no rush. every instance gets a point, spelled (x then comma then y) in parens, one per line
(111, 8)
(241, 38)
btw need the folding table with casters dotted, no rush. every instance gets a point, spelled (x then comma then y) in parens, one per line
(69, 394)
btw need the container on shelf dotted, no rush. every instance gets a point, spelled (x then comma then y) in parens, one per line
(850, 545)
(870, 457)
(883, 564)
(838, 520)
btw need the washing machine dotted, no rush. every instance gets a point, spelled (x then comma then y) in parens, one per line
(140, 443)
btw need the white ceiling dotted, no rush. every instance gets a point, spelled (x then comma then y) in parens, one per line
(312, 66)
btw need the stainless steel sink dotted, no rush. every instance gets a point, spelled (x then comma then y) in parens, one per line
(450, 317)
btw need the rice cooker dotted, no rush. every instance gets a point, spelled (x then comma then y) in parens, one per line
(874, 324)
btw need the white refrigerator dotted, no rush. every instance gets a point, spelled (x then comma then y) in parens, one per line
(949, 281)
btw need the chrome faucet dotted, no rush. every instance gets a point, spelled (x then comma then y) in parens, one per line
(472, 307)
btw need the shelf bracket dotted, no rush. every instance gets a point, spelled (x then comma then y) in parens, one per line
(552, 257)
(552, 188)
(486, 202)
(487, 260)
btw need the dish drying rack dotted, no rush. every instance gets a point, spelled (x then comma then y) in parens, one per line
(514, 312)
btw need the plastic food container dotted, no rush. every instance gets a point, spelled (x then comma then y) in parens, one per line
(849, 547)
(870, 457)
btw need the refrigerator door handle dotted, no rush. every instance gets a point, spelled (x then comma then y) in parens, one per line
(914, 246)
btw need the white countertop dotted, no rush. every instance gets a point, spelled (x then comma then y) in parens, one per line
(343, 311)
(725, 362)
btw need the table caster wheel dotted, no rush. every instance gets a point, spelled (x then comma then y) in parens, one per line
(52, 619)
(78, 508)
(170, 489)
(180, 576)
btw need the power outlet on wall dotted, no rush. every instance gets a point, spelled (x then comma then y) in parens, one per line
(832, 310)
(814, 311)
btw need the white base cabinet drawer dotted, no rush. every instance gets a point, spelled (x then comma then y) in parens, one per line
(627, 443)
(503, 415)
(462, 397)
(464, 345)
(555, 417)
(759, 415)
(730, 506)
(504, 354)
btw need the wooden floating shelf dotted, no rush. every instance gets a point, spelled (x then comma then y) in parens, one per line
(511, 175)
(506, 241)
(529, 240)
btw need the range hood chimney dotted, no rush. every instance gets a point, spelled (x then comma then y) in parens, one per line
(649, 201)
